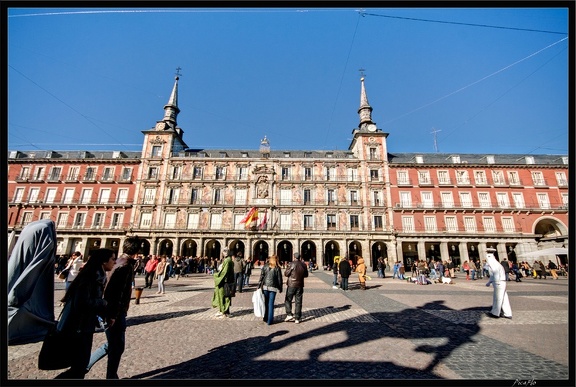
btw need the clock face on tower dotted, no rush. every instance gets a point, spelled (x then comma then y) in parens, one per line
(372, 127)
(160, 126)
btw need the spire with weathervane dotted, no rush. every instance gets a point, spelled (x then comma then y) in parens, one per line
(365, 110)
(171, 109)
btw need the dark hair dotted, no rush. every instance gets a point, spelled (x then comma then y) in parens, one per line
(131, 245)
(95, 261)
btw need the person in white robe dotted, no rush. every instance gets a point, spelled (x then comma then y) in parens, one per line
(500, 302)
(31, 283)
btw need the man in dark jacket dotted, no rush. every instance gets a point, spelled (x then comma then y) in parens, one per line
(345, 271)
(239, 267)
(296, 272)
(117, 293)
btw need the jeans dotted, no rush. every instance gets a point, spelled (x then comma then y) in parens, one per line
(148, 279)
(114, 348)
(335, 281)
(380, 273)
(269, 298)
(433, 274)
(344, 284)
(161, 283)
(239, 280)
(246, 279)
(292, 293)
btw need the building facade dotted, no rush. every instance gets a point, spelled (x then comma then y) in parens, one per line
(366, 201)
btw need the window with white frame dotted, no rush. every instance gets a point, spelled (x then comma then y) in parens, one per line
(443, 177)
(484, 199)
(104, 196)
(25, 173)
(197, 174)
(407, 223)
(561, 179)
(220, 173)
(68, 195)
(498, 177)
(286, 196)
(79, 219)
(451, 223)
(173, 195)
(18, 195)
(217, 198)
(242, 172)
(156, 151)
(55, 173)
(565, 200)
(45, 215)
(330, 221)
(502, 198)
(543, 200)
(353, 197)
(108, 174)
(455, 159)
(176, 172)
(372, 153)
(430, 223)
(529, 159)
(86, 196)
(354, 222)
(352, 174)
(330, 196)
(538, 179)
(240, 196)
(62, 219)
(307, 196)
(193, 221)
(116, 221)
(518, 199)
(308, 222)
(122, 196)
(508, 224)
(50, 195)
(374, 175)
(307, 173)
(26, 218)
(465, 199)
(152, 172)
(447, 199)
(331, 173)
(146, 220)
(73, 173)
(405, 199)
(194, 196)
(90, 174)
(98, 220)
(403, 177)
(285, 221)
(462, 177)
(377, 198)
(149, 195)
(39, 173)
(33, 195)
(490, 159)
(513, 178)
(126, 174)
(170, 220)
(470, 223)
(427, 200)
(489, 224)
(378, 223)
(424, 177)
(480, 178)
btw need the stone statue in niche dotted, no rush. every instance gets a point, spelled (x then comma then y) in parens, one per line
(262, 187)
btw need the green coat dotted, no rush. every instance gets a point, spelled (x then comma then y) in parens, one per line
(224, 275)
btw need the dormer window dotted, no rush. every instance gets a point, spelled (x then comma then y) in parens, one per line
(529, 159)
(490, 159)
(455, 159)
(419, 159)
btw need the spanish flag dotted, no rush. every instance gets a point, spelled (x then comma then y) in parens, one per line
(250, 217)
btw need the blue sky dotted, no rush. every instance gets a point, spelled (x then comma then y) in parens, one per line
(487, 80)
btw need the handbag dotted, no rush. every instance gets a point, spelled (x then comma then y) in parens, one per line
(64, 273)
(229, 289)
(56, 351)
(259, 303)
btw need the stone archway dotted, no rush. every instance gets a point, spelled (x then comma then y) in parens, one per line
(165, 247)
(379, 250)
(212, 249)
(260, 252)
(284, 251)
(331, 250)
(189, 248)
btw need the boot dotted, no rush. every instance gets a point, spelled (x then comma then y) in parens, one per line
(363, 285)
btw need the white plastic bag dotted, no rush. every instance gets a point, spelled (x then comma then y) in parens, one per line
(258, 301)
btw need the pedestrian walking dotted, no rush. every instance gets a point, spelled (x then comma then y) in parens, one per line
(361, 270)
(295, 272)
(150, 270)
(345, 270)
(248, 271)
(500, 302)
(271, 283)
(335, 271)
(117, 294)
(83, 303)
(161, 273)
(74, 265)
(239, 267)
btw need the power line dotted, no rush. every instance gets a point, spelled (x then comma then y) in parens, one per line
(462, 24)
